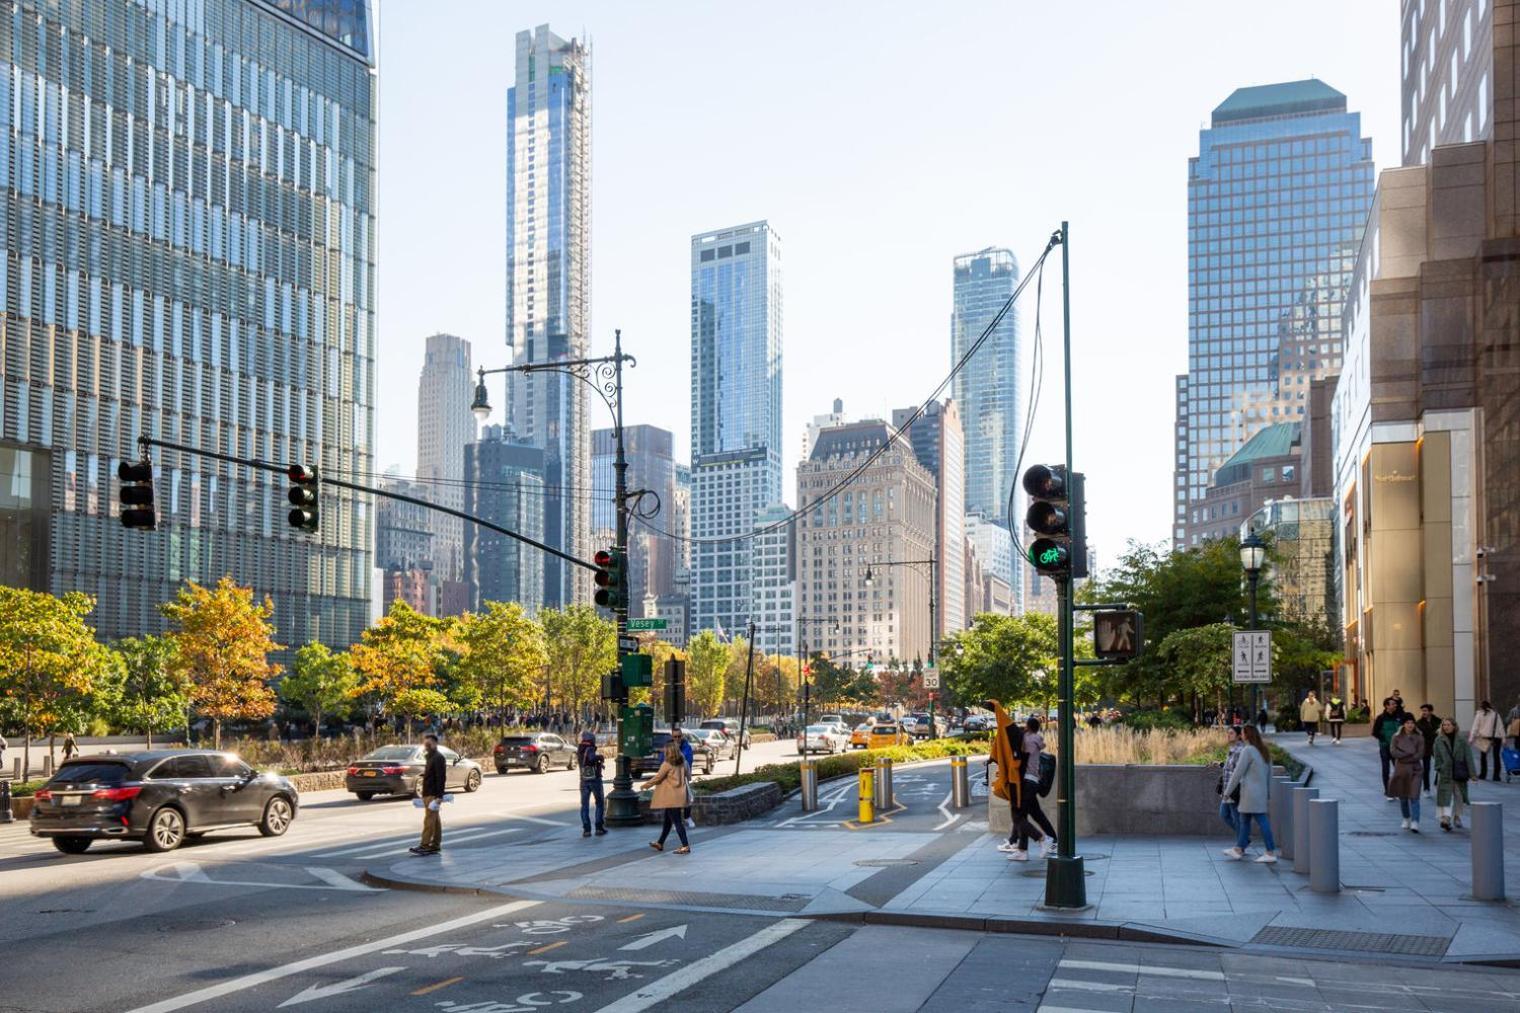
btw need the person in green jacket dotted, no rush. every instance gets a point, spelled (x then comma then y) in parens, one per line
(1384, 727)
(1453, 762)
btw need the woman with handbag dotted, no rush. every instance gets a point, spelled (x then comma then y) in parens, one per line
(1453, 760)
(1253, 776)
(669, 785)
(1227, 812)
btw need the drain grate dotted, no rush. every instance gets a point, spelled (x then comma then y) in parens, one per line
(885, 863)
(1364, 942)
(787, 902)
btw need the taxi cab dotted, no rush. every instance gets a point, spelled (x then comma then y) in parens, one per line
(881, 736)
(860, 738)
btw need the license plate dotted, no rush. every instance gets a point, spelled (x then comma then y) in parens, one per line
(371, 773)
(69, 799)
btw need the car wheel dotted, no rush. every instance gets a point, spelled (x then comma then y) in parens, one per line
(472, 783)
(72, 845)
(542, 766)
(166, 830)
(364, 796)
(277, 817)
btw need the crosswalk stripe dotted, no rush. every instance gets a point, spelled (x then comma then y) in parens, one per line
(373, 850)
(1143, 969)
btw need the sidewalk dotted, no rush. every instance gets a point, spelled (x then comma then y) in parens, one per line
(1403, 893)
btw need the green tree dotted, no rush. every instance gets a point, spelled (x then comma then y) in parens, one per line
(707, 661)
(581, 647)
(1011, 659)
(154, 691)
(418, 702)
(400, 652)
(1198, 660)
(222, 644)
(321, 682)
(503, 653)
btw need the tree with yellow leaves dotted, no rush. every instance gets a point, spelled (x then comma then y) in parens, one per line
(400, 652)
(502, 654)
(582, 647)
(222, 644)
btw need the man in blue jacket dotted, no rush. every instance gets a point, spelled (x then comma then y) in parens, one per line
(590, 761)
(686, 751)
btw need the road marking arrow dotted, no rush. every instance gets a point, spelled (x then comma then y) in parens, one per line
(338, 988)
(647, 940)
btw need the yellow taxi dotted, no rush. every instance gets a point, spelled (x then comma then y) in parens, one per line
(882, 736)
(860, 738)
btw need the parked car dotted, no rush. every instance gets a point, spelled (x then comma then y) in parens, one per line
(712, 741)
(885, 735)
(822, 739)
(729, 727)
(977, 723)
(536, 751)
(158, 797)
(397, 770)
(650, 761)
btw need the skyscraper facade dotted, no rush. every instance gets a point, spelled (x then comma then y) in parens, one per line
(444, 428)
(987, 390)
(939, 446)
(190, 255)
(735, 412)
(652, 553)
(549, 285)
(773, 580)
(1446, 62)
(1278, 197)
(504, 483)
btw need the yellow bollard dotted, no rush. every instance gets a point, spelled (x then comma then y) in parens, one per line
(867, 795)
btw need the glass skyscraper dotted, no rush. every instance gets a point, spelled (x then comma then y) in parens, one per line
(735, 412)
(1278, 197)
(549, 285)
(189, 254)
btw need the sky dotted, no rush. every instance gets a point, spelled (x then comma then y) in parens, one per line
(879, 139)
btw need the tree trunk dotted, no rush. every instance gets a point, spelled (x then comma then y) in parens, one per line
(150, 735)
(216, 733)
(317, 723)
(26, 754)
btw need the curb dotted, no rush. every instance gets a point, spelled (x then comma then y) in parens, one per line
(1084, 929)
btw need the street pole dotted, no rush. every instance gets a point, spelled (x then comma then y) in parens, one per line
(933, 636)
(1251, 578)
(1065, 875)
(749, 668)
(622, 801)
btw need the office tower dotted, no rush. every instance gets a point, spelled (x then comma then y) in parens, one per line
(678, 522)
(444, 428)
(1277, 199)
(889, 514)
(652, 554)
(938, 444)
(404, 546)
(994, 549)
(167, 280)
(1268, 467)
(549, 286)
(773, 580)
(1179, 461)
(504, 484)
(1446, 60)
(735, 412)
(987, 390)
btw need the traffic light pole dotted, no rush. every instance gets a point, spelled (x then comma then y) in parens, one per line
(623, 801)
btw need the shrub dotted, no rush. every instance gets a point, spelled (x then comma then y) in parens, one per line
(1148, 719)
(1120, 745)
(25, 789)
(1287, 718)
(1358, 716)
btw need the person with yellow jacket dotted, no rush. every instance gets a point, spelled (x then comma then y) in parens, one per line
(1008, 755)
(1309, 714)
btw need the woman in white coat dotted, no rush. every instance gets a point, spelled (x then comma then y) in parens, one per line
(1253, 775)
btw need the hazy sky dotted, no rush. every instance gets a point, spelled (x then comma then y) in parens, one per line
(880, 139)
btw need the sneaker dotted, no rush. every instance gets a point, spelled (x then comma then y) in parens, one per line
(656, 845)
(1267, 858)
(1414, 826)
(1007, 846)
(1404, 825)
(1018, 856)
(1446, 824)
(601, 831)
(691, 824)
(1389, 798)
(586, 832)
(1456, 821)
(684, 849)
(1047, 847)
(1234, 854)
(418, 850)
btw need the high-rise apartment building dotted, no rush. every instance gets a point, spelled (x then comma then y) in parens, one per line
(652, 553)
(886, 515)
(773, 580)
(404, 547)
(735, 412)
(938, 444)
(994, 549)
(444, 428)
(1446, 62)
(1277, 199)
(549, 285)
(504, 484)
(191, 256)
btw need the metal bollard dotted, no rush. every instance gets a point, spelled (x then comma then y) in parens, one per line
(47, 767)
(1283, 832)
(809, 785)
(891, 796)
(867, 795)
(1300, 798)
(1487, 850)
(960, 783)
(6, 816)
(879, 797)
(20, 774)
(1324, 845)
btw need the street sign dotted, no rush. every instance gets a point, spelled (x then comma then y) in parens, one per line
(1252, 656)
(931, 678)
(628, 645)
(647, 624)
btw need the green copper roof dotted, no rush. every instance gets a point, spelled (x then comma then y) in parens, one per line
(1276, 440)
(1284, 99)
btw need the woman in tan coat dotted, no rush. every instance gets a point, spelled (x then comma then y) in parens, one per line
(669, 785)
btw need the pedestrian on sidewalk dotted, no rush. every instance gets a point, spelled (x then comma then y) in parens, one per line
(1253, 776)
(70, 747)
(591, 763)
(1398, 705)
(1453, 762)
(1034, 745)
(1384, 727)
(1309, 714)
(680, 739)
(1485, 736)
(434, 784)
(1408, 750)
(1007, 758)
(1429, 726)
(669, 784)
(1336, 716)
(1227, 811)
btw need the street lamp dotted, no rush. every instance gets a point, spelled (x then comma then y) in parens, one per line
(1253, 556)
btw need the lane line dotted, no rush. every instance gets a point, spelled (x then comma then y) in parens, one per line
(545, 949)
(258, 978)
(424, 990)
(534, 819)
(944, 807)
(630, 918)
(1085, 986)
(398, 846)
(658, 991)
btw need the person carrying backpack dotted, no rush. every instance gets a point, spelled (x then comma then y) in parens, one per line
(590, 761)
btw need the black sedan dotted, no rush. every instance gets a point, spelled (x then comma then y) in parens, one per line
(397, 770)
(535, 751)
(159, 797)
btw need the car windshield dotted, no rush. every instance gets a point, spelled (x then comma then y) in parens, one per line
(819, 729)
(884, 730)
(91, 772)
(719, 725)
(391, 753)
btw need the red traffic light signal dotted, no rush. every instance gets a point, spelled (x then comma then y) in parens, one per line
(611, 578)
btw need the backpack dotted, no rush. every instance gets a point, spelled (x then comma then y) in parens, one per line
(1047, 774)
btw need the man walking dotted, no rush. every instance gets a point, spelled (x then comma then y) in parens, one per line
(1429, 726)
(687, 754)
(434, 783)
(1485, 738)
(591, 762)
(1308, 715)
(1384, 727)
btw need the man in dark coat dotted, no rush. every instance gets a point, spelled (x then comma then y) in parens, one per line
(434, 783)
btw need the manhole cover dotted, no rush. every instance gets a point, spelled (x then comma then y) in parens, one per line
(884, 863)
(197, 925)
(1365, 942)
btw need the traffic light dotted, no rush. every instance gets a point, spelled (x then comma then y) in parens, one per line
(303, 498)
(611, 579)
(1057, 514)
(137, 509)
(675, 690)
(1119, 634)
(613, 688)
